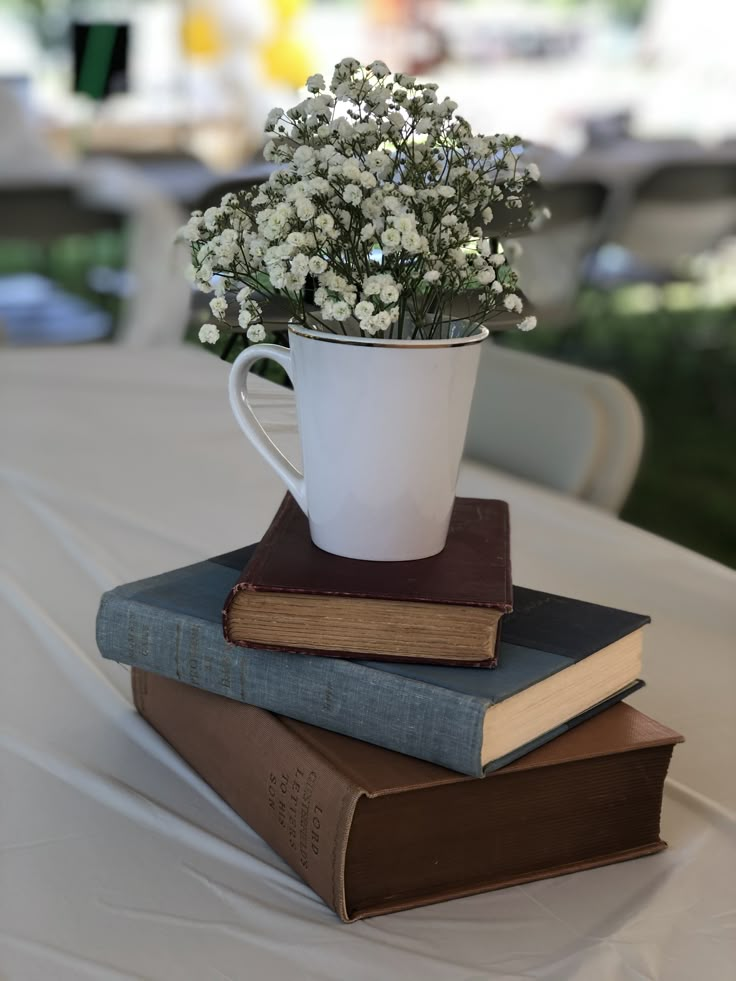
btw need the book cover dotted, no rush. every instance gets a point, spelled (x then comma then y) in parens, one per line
(292, 595)
(375, 832)
(170, 624)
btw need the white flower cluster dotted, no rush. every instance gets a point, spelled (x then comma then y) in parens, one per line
(381, 214)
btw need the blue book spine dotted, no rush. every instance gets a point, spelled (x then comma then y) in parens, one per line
(403, 714)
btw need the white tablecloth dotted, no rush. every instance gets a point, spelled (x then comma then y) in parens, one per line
(116, 861)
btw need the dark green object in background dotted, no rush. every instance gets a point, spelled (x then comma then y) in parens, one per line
(100, 57)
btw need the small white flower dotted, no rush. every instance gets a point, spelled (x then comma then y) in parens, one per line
(218, 307)
(513, 303)
(340, 310)
(412, 241)
(445, 191)
(347, 66)
(486, 276)
(496, 287)
(303, 155)
(315, 83)
(300, 265)
(352, 194)
(364, 309)
(245, 316)
(209, 334)
(325, 222)
(317, 265)
(390, 293)
(305, 209)
(432, 276)
(391, 240)
(256, 333)
(377, 160)
(351, 170)
(379, 69)
(211, 217)
(528, 323)
(192, 231)
(487, 215)
(533, 172)
(273, 117)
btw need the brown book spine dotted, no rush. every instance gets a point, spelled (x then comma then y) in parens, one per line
(297, 801)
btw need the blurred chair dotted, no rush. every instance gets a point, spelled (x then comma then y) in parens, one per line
(106, 195)
(553, 262)
(47, 210)
(569, 428)
(605, 129)
(178, 173)
(679, 211)
(146, 157)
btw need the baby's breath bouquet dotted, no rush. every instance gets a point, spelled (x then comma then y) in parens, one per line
(379, 221)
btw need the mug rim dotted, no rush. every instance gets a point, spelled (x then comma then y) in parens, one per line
(396, 342)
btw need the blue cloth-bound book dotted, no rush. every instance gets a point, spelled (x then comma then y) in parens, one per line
(560, 661)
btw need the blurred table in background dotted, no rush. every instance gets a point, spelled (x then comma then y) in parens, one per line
(156, 308)
(222, 143)
(118, 861)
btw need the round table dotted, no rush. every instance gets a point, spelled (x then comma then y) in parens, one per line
(118, 862)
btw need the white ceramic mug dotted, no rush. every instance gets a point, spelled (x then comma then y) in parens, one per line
(382, 426)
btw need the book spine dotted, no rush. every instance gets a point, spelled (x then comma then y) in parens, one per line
(290, 795)
(379, 707)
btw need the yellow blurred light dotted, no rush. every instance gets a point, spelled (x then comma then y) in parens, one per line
(288, 9)
(286, 59)
(201, 36)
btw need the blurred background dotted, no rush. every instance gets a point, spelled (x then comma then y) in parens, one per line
(118, 117)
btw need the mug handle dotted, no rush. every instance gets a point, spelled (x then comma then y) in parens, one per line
(246, 417)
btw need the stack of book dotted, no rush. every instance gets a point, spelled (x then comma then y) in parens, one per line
(401, 733)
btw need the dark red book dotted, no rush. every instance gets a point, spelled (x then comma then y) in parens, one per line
(293, 596)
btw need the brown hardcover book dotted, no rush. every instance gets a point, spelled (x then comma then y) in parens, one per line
(293, 596)
(372, 831)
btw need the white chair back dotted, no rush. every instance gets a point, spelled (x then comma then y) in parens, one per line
(569, 428)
